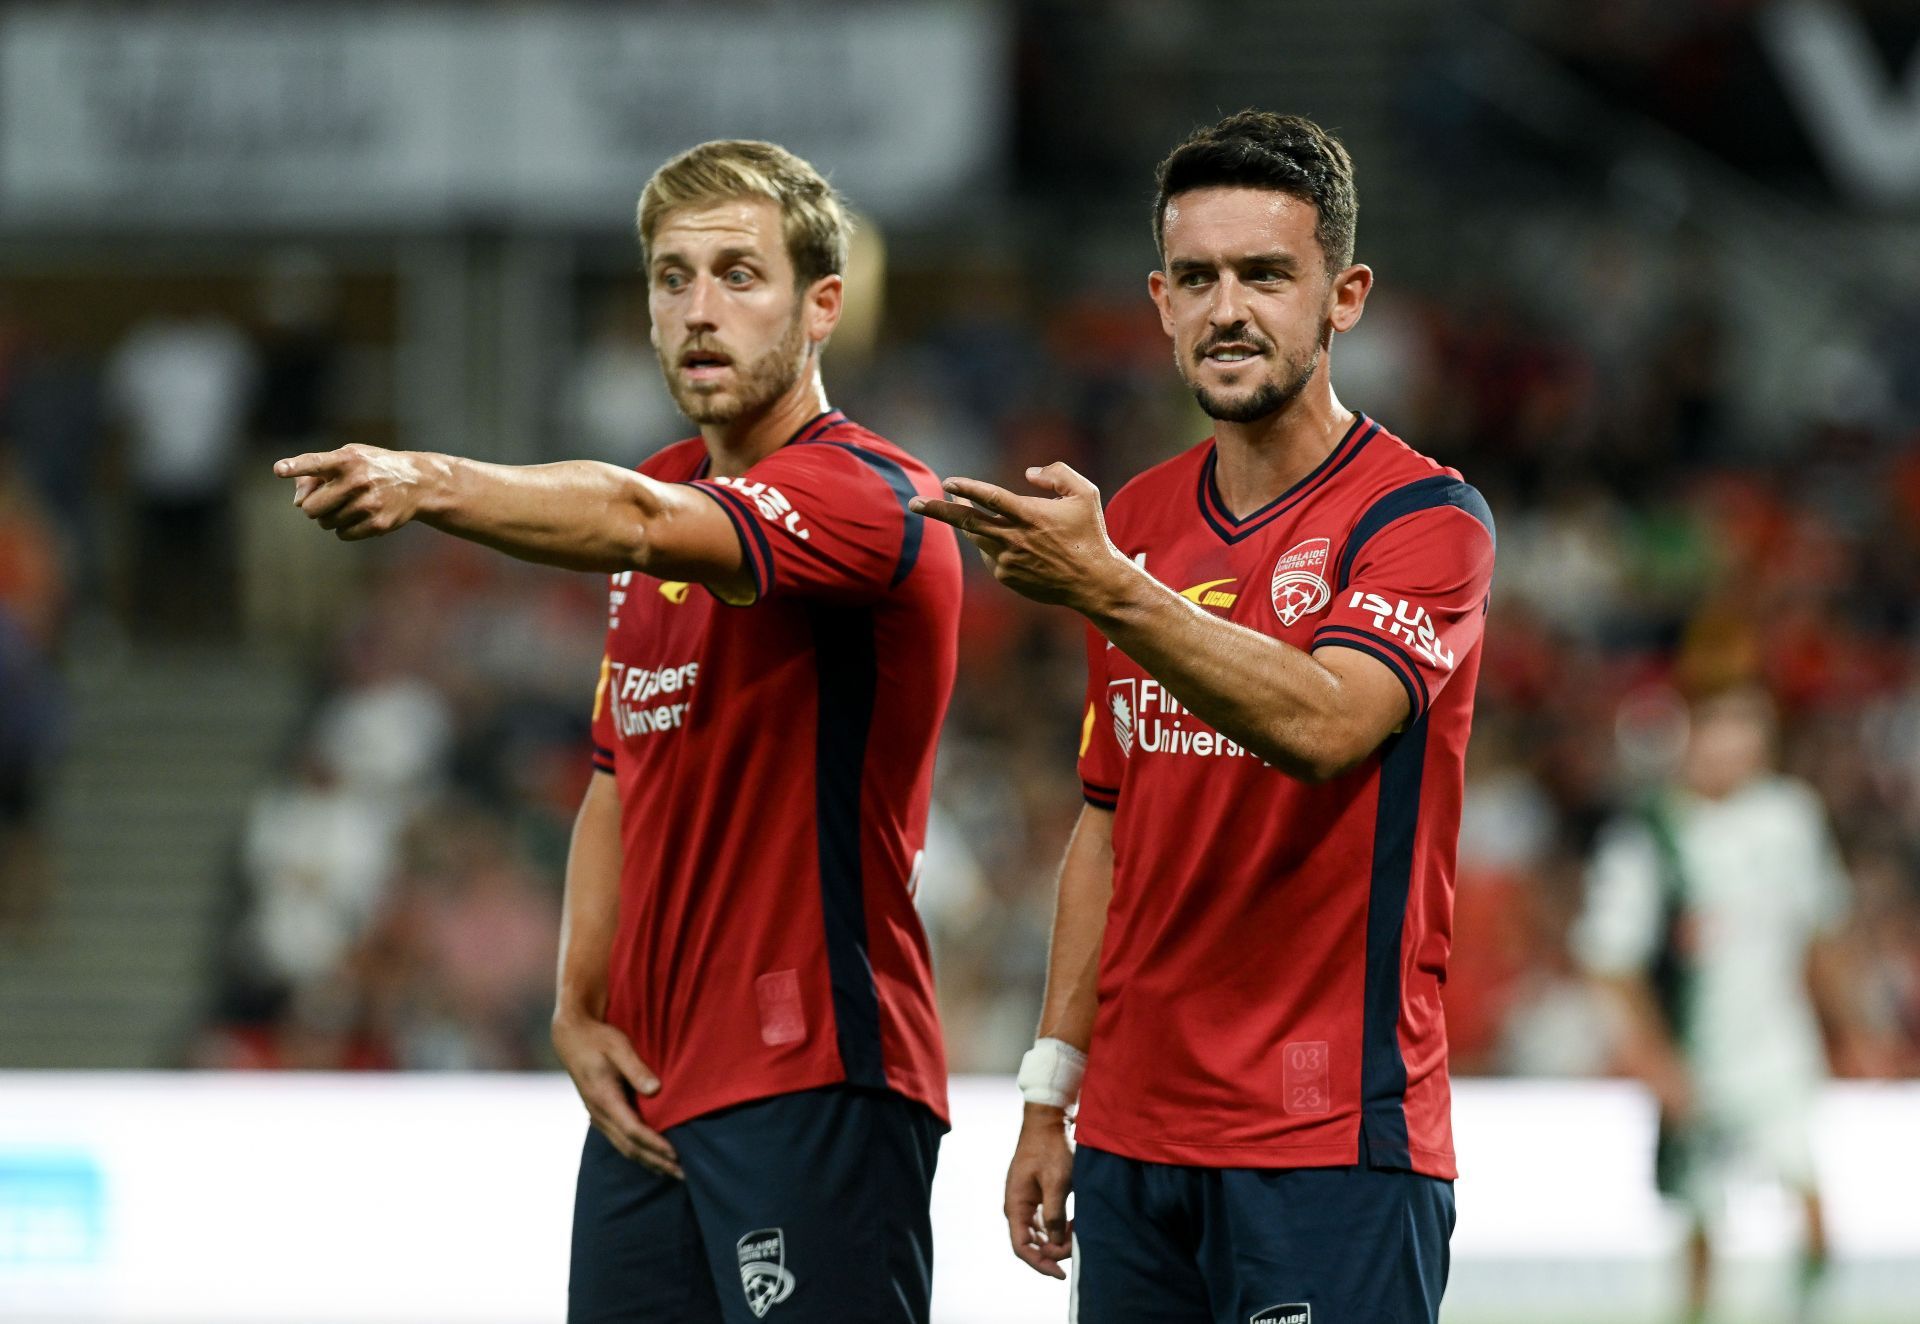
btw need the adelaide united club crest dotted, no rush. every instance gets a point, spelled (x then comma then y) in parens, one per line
(1300, 585)
(764, 1275)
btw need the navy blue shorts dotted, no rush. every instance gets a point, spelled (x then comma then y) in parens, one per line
(1156, 1243)
(798, 1209)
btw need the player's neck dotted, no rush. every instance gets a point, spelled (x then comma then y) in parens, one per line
(737, 446)
(1256, 462)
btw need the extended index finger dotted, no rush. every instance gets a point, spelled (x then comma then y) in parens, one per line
(321, 463)
(962, 516)
(985, 495)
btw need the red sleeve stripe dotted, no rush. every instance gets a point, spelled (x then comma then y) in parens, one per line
(1395, 657)
(603, 759)
(753, 539)
(1100, 797)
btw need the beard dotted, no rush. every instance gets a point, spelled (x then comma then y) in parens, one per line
(1271, 395)
(756, 384)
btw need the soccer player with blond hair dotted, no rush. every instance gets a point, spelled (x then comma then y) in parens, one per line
(745, 998)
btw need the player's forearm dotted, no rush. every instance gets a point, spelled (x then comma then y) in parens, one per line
(591, 908)
(1834, 991)
(1079, 924)
(1271, 698)
(577, 514)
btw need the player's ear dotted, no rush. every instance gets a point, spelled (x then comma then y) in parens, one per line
(821, 305)
(1157, 291)
(1350, 289)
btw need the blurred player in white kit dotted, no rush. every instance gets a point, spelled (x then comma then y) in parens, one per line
(1711, 918)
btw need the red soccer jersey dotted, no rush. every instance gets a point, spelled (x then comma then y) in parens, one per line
(1270, 977)
(775, 764)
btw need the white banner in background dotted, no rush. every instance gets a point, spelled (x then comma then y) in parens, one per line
(312, 1199)
(358, 115)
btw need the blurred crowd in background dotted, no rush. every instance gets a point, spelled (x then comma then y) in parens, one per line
(395, 888)
(396, 891)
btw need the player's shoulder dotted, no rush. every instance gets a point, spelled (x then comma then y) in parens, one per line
(676, 463)
(836, 441)
(1779, 796)
(1151, 488)
(870, 448)
(1393, 481)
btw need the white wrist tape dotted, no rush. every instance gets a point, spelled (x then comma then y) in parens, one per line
(1050, 1073)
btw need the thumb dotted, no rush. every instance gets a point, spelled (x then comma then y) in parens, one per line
(1061, 480)
(1053, 1211)
(638, 1074)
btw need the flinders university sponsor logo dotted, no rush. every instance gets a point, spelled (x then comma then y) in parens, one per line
(1293, 1314)
(1121, 699)
(1300, 587)
(644, 698)
(764, 1275)
(1402, 620)
(1147, 718)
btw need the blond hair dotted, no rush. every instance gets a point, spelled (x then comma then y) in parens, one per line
(812, 216)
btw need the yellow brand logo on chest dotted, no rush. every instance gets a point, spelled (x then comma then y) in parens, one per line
(1210, 594)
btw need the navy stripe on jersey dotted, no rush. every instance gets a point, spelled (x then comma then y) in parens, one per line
(754, 549)
(1387, 651)
(896, 478)
(1383, 1070)
(603, 758)
(1100, 797)
(1426, 494)
(1233, 529)
(818, 426)
(849, 679)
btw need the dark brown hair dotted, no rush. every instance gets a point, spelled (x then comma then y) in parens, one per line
(1258, 149)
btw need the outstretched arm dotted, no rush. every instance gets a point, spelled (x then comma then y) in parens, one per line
(578, 514)
(1312, 716)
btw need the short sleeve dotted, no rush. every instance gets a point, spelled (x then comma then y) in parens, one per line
(823, 519)
(1412, 585)
(603, 739)
(1830, 890)
(1619, 930)
(1102, 759)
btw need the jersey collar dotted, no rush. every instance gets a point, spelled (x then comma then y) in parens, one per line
(1231, 529)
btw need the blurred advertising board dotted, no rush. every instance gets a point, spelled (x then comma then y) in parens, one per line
(324, 1199)
(345, 116)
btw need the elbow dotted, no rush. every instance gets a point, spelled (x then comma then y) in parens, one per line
(1320, 752)
(633, 543)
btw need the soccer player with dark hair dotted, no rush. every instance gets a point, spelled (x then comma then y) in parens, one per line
(745, 996)
(1254, 910)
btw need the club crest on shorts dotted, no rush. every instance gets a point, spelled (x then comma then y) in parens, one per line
(1298, 1313)
(1300, 586)
(764, 1275)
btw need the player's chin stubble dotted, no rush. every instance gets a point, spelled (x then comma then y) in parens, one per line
(758, 383)
(1265, 400)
